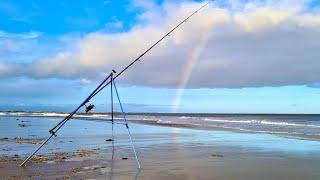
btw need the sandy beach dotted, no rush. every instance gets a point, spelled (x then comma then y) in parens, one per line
(82, 152)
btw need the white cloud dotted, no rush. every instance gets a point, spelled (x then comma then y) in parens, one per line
(13, 44)
(114, 25)
(254, 44)
(25, 35)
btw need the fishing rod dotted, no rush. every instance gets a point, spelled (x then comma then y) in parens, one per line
(145, 52)
(109, 79)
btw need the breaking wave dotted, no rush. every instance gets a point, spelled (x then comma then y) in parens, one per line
(265, 122)
(284, 125)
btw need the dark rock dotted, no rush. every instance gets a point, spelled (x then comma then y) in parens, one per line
(75, 170)
(22, 125)
(18, 139)
(217, 155)
(3, 138)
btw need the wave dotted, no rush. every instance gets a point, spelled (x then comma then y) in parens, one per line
(231, 121)
(265, 122)
(248, 125)
(289, 124)
(185, 117)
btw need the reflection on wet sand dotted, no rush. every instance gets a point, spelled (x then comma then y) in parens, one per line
(82, 152)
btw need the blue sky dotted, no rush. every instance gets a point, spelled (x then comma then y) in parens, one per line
(249, 57)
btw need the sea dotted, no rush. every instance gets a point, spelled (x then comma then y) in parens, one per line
(296, 125)
(296, 135)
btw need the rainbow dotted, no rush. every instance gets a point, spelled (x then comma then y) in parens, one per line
(190, 64)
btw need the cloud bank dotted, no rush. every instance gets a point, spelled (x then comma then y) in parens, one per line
(252, 44)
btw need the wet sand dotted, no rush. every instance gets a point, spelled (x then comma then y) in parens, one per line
(186, 161)
(165, 153)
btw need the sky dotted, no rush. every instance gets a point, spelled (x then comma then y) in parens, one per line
(234, 56)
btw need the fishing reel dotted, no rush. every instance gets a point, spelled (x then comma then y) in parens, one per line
(89, 107)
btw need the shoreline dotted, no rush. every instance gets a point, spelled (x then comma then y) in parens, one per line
(90, 117)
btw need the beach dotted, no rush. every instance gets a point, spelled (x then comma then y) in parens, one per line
(82, 150)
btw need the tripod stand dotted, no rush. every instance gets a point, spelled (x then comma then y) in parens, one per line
(113, 88)
(105, 83)
(113, 84)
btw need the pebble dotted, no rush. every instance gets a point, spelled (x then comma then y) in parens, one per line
(217, 155)
(75, 170)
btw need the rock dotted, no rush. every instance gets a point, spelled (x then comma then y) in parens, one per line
(75, 170)
(4, 138)
(22, 125)
(217, 155)
(18, 139)
(39, 158)
(82, 153)
(93, 168)
(60, 156)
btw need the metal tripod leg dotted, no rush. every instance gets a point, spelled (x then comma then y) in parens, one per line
(44, 142)
(57, 127)
(127, 126)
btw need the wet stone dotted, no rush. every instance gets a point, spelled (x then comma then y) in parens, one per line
(217, 155)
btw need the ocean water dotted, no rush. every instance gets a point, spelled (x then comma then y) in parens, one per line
(81, 133)
(304, 126)
(307, 126)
